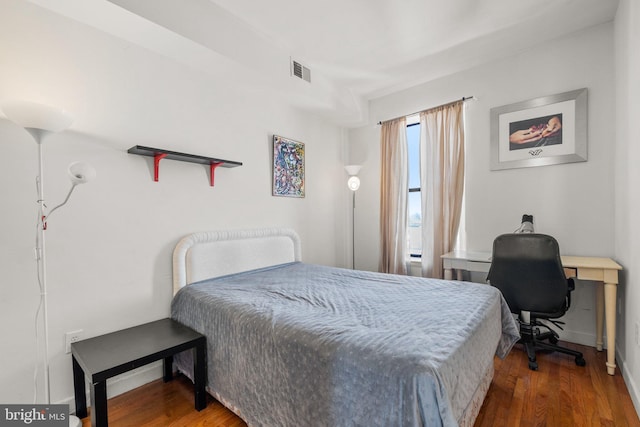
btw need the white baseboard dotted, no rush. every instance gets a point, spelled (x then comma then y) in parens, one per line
(582, 338)
(634, 389)
(123, 383)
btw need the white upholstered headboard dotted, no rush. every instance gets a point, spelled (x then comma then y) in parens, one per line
(200, 256)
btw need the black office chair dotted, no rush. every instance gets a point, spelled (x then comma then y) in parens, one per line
(528, 271)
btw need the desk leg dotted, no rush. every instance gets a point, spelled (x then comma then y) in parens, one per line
(99, 404)
(599, 315)
(448, 274)
(200, 376)
(610, 290)
(79, 390)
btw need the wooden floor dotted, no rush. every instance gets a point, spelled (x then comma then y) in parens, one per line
(559, 394)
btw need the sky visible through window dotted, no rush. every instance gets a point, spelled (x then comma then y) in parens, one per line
(413, 208)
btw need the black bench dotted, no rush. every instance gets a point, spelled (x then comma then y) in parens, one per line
(112, 354)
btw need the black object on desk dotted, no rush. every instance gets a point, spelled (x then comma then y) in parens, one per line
(112, 354)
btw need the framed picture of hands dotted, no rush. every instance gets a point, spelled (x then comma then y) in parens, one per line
(544, 131)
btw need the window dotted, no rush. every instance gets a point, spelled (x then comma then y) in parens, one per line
(414, 200)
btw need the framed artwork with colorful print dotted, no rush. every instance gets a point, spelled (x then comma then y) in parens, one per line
(288, 167)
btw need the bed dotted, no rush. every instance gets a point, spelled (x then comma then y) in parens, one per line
(296, 344)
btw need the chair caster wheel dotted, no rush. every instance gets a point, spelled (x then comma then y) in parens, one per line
(534, 366)
(553, 340)
(580, 361)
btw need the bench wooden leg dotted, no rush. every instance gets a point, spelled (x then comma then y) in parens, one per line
(79, 389)
(99, 404)
(167, 364)
(199, 374)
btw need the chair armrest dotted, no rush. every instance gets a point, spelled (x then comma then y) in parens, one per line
(572, 286)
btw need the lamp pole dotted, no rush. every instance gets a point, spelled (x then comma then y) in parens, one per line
(353, 232)
(42, 261)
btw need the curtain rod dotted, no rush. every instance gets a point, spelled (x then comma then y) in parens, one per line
(464, 98)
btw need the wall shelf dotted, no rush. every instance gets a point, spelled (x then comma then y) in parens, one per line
(159, 154)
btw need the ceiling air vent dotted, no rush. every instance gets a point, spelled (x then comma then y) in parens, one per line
(300, 71)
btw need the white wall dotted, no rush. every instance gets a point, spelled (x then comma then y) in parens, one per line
(627, 199)
(109, 249)
(573, 202)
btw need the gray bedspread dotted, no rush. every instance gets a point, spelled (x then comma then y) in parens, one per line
(307, 345)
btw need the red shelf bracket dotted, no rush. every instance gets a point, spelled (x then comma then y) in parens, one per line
(156, 164)
(212, 171)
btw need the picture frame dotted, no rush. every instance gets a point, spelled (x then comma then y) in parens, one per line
(544, 131)
(288, 167)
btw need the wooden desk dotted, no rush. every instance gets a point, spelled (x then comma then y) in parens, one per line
(602, 270)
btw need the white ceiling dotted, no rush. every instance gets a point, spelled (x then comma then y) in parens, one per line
(371, 46)
(357, 50)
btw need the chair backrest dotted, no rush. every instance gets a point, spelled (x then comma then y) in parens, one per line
(528, 271)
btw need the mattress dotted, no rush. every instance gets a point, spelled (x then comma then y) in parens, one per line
(306, 345)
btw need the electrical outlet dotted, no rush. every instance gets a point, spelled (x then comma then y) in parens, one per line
(637, 334)
(70, 337)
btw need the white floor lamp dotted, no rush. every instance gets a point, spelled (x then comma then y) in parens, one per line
(353, 183)
(41, 120)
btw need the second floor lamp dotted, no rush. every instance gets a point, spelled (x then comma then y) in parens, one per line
(353, 183)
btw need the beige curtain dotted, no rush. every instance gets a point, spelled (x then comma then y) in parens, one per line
(441, 182)
(394, 188)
